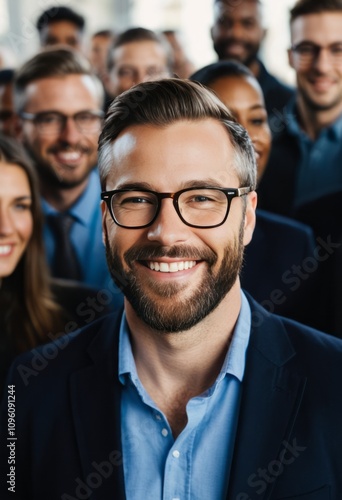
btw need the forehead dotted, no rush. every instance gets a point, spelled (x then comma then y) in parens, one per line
(237, 10)
(62, 93)
(140, 52)
(61, 28)
(172, 155)
(14, 180)
(323, 28)
(238, 92)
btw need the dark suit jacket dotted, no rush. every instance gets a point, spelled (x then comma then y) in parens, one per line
(279, 244)
(288, 442)
(276, 93)
(276, 190)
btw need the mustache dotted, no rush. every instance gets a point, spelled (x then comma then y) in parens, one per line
(150, 252)
(79, 148)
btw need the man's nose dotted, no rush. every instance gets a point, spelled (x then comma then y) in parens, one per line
(168, 229)
(70, 132)
(323, 60)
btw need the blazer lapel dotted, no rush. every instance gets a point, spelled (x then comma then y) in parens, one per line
(273, 387)
(95, 398)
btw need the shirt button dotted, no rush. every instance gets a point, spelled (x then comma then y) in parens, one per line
(176, 454)
(165, 432)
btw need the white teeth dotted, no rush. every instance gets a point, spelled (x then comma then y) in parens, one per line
(172, 267)
(70, 156)
(5, 249)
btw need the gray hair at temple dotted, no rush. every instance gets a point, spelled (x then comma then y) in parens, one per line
(164, 102)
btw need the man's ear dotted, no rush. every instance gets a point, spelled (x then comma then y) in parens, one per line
(250, 217)
(290, 58)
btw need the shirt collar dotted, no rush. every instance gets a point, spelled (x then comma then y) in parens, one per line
(235, 360)
(85, 206)
(334, 130)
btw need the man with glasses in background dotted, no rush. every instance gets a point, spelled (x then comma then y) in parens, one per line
(194, 391)
(306, 153)
(59, 104)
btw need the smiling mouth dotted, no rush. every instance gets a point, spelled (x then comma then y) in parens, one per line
(170, 267)
(5, 249)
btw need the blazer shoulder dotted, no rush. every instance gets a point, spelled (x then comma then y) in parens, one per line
(271, 332)
(51, 363)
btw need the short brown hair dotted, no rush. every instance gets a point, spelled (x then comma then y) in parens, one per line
(163, 102)
(305, 7)
(52, 63)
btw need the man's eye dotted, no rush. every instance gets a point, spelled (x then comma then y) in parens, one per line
(306, 49)
(201, 199)
(135, 200)
(46, 119)
(336, 49)
(86, 118)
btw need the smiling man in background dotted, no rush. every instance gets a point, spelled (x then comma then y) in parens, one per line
(237, 33)
(58, 101)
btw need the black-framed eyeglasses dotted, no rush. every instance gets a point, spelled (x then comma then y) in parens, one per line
(53, 122)
(204, 207)
(308, 52)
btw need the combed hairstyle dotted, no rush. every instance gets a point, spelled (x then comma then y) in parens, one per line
(32, 310)
(208, 74)
(164, 102)
(305, 7)
(139, 34)
(59, 13)
(49, 64)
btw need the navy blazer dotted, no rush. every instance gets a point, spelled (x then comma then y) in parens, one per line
(288, 441)
(279, 246)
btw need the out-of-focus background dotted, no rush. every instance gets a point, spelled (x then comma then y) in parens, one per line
(18, 35)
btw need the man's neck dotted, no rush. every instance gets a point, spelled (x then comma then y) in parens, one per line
(61, 198)
(175, 367)
(190, 360)
(313, 121)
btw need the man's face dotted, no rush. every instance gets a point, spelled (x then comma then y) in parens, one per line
(319, 81)
(99, 52)
(7, 116)
(62, 33)
(198, 267)
(136, 62)
(237, 31)
(64, 159)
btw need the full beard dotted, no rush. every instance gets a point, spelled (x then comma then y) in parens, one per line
(222, 50)
(53, 176)
(176, 311)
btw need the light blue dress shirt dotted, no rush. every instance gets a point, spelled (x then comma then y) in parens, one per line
(319, 169)
(86, 235)
(196, 465)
